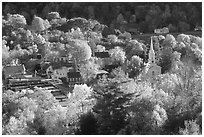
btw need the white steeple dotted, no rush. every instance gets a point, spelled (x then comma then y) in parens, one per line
(151, 58)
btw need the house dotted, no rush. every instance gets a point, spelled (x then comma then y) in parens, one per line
(12, 70)
(74, 78)
(161, 31)
(61, 72)
(56, 70)
(63, 57)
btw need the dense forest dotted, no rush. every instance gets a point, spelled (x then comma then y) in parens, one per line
(123, 102)
(177, 16)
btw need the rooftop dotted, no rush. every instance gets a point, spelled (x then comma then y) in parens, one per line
(102, 54)
(13, 70)
(74, 75)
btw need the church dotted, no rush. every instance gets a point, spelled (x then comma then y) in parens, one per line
(152, 69)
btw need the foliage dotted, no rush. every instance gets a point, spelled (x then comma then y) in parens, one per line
(81, 50)
(135, 66)
(134, 47)
(17, 20)
(111, 107)
(38, 24)
(122, 102)
(148, 15)
(166, 60)
(117, 55)
(80, 102)
(5, 53)
(112, 38)
(88, 70)
(169, 41)
(184, 89)
(191, 128)
(88, 124)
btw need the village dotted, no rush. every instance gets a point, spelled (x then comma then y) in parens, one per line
(59, 75)
(120, 74)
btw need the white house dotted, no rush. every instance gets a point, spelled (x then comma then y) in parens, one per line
(61, 72)
(58, 69)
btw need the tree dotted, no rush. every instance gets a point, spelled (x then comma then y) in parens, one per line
(88, 71)
(111, 107)
(183, 26)
(80, 50)
(184, 87)
(38, 24)
(117, 55)
(134, 47)
(135, 66)
(5, 53)
(80, 103)
(166, 60)
(17, 20)
(191, 128)
(169, 41)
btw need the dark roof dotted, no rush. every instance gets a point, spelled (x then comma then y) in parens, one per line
(102, 54)
(59, 64)
(13, 70)
(74, 75)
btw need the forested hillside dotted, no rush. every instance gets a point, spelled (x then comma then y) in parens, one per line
(178, 16)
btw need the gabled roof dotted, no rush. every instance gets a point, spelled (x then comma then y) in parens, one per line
(13, 70)
(74, 75)
(102, 54)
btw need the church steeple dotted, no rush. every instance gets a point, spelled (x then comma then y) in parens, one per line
(151, 53)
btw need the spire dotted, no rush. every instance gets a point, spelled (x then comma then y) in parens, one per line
(151, 53)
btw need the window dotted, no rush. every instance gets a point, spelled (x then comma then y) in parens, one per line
(153, 73)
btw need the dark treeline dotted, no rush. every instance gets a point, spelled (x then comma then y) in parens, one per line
(177, 16)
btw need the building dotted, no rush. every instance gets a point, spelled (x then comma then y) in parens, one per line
(74, 78)
(161, 31)
(63, 57)
(152, 69)
(58, 70)
(12, 70)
